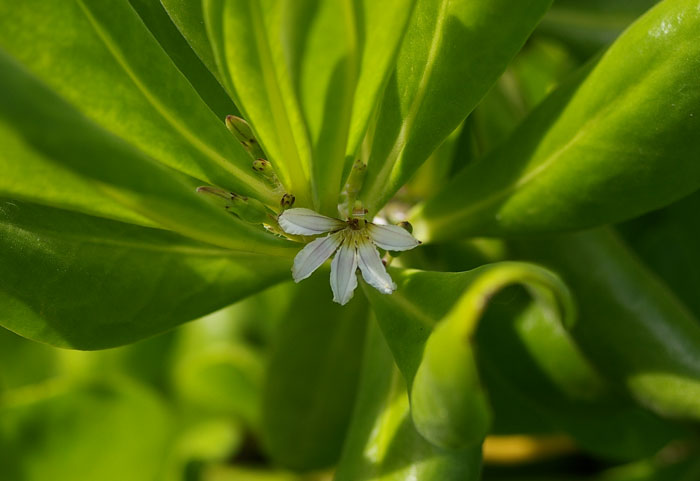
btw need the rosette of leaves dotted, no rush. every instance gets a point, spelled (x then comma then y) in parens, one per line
(529, 309)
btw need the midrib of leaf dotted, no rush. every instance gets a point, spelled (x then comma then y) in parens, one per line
(203, 251)
(332, 192)
(252, 182)
(380, 181)
(298, 179)
(581, 133)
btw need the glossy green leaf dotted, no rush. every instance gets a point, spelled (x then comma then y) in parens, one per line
(105, 63)
(439, 78)
(631, 326)
(101, 430)
(247, 44)
(122, 173)
(617, 140)
(431, 338)
(383, 444)
(161, 25)
(77, 281)
(312, 377)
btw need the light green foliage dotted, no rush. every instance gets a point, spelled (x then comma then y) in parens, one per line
(540, 150)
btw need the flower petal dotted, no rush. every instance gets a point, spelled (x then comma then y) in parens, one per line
(391, 237)
(373, 270)
(302, 221)
(343, 267)
(314, 254)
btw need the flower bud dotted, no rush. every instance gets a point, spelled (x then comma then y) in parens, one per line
(246, 208)
(287, 201)
(242, 131)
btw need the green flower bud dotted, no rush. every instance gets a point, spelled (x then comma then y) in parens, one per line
(353, 185)
(242, 131)
(246, 208)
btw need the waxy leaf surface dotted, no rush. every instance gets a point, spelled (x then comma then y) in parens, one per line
(78, 281)
(617, 140)
(451, 55)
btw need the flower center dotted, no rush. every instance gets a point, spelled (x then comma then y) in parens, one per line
(356, 224)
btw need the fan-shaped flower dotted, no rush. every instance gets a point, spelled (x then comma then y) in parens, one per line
(355, 242)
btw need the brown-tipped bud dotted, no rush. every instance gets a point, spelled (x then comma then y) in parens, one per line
(248, 209)
(242, 131)
(287, 201)
(262, 165)
(209, 190)
(406, 226)
(264, 168)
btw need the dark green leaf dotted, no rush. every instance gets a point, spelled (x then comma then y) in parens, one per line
(633, 329)
(430, 331)
(77, 281)
(312, 377)
(667, 240)
(188, 16)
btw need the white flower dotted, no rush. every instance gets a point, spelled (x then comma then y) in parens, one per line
(354, 240)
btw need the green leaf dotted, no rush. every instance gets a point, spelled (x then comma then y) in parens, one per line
(100, 430)
(77, 281)
(631, 326)
(122, 173)
(381, 30)
(618, 140)
(383, 444)
(105, 63)
(431, 338)
(160, 24)
(246, 40)
(667, 241)
(439, 78)
(587, 27)
(321, 40)
(534, 372)
(539, 67)
(188, 16)
(312, 377)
